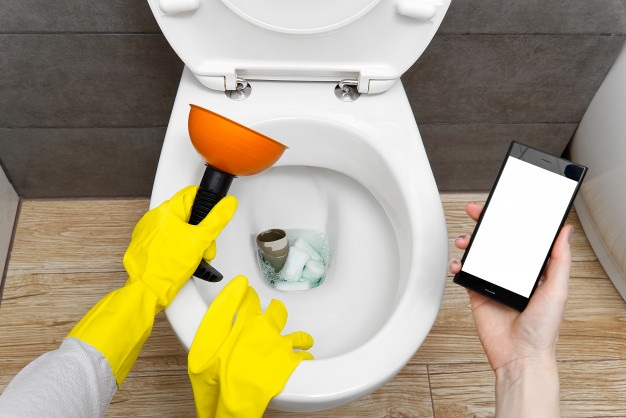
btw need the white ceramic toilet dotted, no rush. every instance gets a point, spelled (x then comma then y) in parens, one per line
(600, 144)
(355, 170)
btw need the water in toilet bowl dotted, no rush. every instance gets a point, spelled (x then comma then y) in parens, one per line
(363, 280)
(307, 260)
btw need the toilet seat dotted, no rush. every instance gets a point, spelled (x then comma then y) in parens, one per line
(370, 41)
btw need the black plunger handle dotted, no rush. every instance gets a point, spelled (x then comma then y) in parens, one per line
(213, 187)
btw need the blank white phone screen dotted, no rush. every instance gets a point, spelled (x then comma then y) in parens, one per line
(517, 229)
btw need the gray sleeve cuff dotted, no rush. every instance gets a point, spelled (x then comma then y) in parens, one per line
(73, 381)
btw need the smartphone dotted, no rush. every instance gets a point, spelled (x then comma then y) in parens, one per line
(518, 226)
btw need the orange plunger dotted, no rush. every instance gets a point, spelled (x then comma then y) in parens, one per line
(229, 150)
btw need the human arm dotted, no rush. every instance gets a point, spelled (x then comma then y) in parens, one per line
(521, 347)
(74, 380)
(163, 253)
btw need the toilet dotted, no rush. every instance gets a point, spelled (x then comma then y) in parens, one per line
(323, 79)
(600, 144)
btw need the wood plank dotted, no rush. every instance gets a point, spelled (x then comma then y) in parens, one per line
(593, 388)
(38, 310)
(153, 395)
(588, 388)
(406, 395)
(74, 235)
(594, 324)
(463, 390)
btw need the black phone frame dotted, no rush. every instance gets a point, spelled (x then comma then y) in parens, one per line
(570, 170)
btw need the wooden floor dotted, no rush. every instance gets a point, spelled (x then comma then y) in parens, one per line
(68, 254)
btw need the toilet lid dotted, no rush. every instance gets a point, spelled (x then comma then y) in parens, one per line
(371, 41)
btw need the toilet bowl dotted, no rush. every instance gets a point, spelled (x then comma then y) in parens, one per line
(355, 170)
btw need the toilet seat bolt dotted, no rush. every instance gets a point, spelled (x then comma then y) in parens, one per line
(347, 90)
(242, 90)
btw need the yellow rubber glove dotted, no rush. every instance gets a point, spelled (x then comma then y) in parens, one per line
(163, 254)
(236, 369)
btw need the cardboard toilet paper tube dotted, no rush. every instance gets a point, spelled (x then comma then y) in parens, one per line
(274, 247)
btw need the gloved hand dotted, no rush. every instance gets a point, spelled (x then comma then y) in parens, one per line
(163, 254)
(165, 250)
(235, 369)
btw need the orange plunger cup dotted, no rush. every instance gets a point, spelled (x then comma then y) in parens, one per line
(229, 150)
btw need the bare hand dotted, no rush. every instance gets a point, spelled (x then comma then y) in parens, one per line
(507, 335)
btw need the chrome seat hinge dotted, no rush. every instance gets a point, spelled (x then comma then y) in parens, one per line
(347, 90)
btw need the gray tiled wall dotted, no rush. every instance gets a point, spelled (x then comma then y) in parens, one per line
(86, 88)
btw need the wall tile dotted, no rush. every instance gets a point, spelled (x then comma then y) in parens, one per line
(508, 78)
(536, 17)
(27, 16)
(87, 80)
(467, 157)
(82, 78)
(84, 162)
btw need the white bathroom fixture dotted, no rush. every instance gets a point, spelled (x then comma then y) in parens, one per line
(600, 144)
(323, 79)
